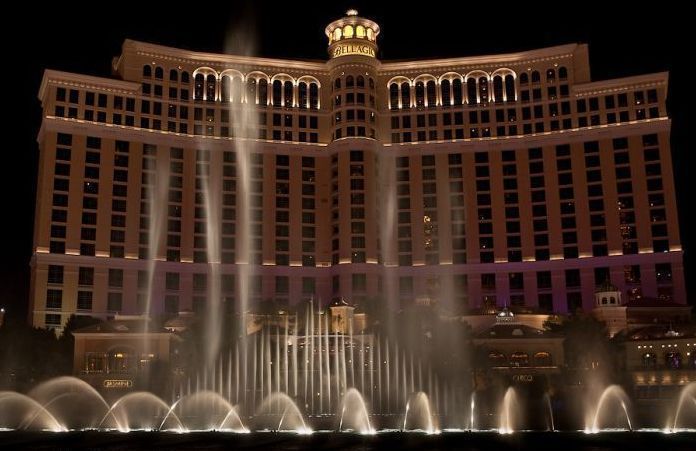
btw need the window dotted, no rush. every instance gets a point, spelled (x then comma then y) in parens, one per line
(85, 276)
(84, 300)
(54, 299)
(115, 277)
(55, 274)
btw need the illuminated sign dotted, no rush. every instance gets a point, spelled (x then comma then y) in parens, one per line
(353, 49)
(523, 378)
(118, 383)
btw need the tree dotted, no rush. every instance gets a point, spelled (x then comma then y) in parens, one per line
(587, 345)
(66, 342)
(28, 355)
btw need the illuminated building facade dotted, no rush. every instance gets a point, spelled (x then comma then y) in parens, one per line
(506, 179)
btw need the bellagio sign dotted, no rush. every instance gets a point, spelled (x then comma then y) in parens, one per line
(118, 383)
(352, 49)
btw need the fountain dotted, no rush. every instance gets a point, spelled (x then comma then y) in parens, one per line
(71, 401)
(685, 403)
(141, 411)
(472, 411)
(549, 409)
(18, 411)
(157, 190)
(418, 415)
(508, 414)
(204, 411)
(612, 403)
(354, 414)
(278, 412)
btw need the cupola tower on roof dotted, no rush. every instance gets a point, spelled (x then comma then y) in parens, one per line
(352, 35)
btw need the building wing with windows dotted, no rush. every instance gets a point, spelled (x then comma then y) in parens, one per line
(474, 181)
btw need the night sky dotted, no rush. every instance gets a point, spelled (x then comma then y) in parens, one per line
(83, 38)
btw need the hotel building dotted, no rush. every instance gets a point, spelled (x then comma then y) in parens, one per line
(509, 179)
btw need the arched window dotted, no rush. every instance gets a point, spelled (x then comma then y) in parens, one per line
(496, 358)
(372, 83)
(210, 83)
(649, 360)
(337, 34)
(562, 73)
(483, 89)
(550, 75)
(147, 70)
(350, 81)
(226, 89)
(302, 94)
(510, 95)
(287, 94)
(542, 358)
(604, 301)
(519, 359)
(673, 360)
(446, 92)
(263, 92)
(173, 75)
(394, 96)
(159, 73)
(497, 89)
(314, 96)
(420, 94)
(277, 93)
(360, 31)
(431, 91)
(457, 93)
(471, 97)
(612, 300)
(237, 90)
(251, 86)
(198, 87)
(348, 31)
(524, 78)
(405, 95)
(360, 81)
(184, 77)
(536, 78)
(337, 83)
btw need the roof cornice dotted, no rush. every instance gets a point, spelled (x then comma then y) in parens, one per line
(621, 84)
(219, 59)
(71, 79)
(531, 56)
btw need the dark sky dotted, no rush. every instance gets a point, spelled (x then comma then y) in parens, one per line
(84, 37)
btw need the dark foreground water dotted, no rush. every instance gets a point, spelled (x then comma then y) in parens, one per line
(483, 441)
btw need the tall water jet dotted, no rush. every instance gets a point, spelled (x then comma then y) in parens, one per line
(354, 415)
(549, 409)
(612, 403)
(157, 189)
(472, 411)
(418, 415)
(508, 415)
(18, 411)
(280, 413)
(244, 118)
(211, 199)
(71, 401)
(686, 403)
(387, 232)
